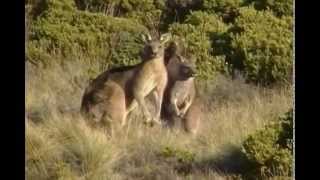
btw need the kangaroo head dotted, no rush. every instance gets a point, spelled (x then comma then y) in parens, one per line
(154, 48)
(188, 67)
(179, 67)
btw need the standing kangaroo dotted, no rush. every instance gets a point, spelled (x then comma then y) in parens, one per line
(180, 103)
(184, 106)
(126, 87)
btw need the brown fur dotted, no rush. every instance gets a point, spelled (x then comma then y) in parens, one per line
(180, 103)
(119, 81)
(125, 87)
(182, 96)
(184, 107)
(99, 102)
(192, 119)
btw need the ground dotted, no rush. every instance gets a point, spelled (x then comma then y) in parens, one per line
(59, 145)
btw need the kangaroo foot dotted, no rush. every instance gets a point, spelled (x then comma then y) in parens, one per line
(148, 123)
(123, 124)
(158, 121)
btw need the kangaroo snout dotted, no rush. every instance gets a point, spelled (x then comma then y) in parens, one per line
(152, 51)
(187, 71)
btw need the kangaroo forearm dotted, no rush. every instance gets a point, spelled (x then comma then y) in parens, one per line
(186, 107)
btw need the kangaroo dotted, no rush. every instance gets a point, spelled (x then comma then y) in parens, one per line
(183, 106)
(180, 103)
(126, 87)
(99, 100)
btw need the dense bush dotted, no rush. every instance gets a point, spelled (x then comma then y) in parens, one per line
(147, 12)
(279, 7)
(66, 31)
(183, 159)
(227, 9)
(196, 32)
(177, 10)
(263, 48)
(249, 35)
(270, 150)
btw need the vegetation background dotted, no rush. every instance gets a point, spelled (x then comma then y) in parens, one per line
(244, 51)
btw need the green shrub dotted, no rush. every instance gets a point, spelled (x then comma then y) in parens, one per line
(64, 30)
(258, 43)
(182, 156)
(270, 149)
(183, 159)
(150, 19)
(263, 48)
(98, 5)
(279, 7)
(196, 33)
(227, 9)
(147, 12)
(206, 22)
(177, 10)
(35, 7)
(141, 10)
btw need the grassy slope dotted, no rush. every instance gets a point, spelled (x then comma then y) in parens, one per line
(61, 146)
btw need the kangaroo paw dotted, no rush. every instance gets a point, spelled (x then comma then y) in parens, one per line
(181, 115)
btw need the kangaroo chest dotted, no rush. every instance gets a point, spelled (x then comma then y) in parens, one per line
(154, 68)
(183, 91)
(152, 74)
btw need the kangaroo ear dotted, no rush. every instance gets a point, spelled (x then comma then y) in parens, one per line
(143, 38)
(149, 37)
(146, 38)
(165, 38)
(170, 51)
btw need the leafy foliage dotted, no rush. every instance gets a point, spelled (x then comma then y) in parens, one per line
(181, 155)
(270, 150)
(182, 158)
(196, 33)
(227, 9)
(66, 31)
(279, 7)
(263, 48)
(254, 36)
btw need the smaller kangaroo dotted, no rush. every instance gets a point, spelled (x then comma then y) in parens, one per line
(180, 104)
(184, 107)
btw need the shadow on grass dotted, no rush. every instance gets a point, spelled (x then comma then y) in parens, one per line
(231, 162)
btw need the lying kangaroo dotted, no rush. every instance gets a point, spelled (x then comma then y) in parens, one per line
(125, 87)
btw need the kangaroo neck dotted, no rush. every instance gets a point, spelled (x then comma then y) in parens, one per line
(158, 59)
(156, 62)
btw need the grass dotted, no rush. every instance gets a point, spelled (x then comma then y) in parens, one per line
(59, 145)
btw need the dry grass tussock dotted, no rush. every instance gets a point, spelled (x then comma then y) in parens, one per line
(59, 145)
